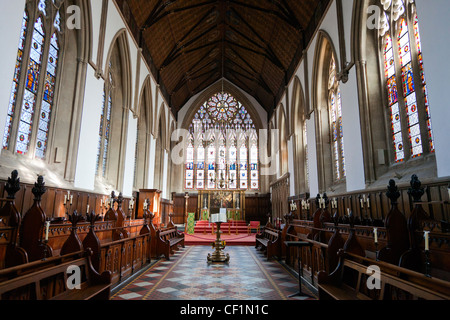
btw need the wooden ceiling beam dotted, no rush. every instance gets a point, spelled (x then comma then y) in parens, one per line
(255, 73)
(158, 15)
(288, 13)
(264, 54)
(268, 48)
(260, 83)
(286, 19)
(178, 47)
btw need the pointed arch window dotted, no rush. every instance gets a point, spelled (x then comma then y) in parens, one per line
(407, 95)
(35, 78)
(105, 125)
(337, 134)
(222, 150)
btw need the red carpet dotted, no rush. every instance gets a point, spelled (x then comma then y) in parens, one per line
(231, 240)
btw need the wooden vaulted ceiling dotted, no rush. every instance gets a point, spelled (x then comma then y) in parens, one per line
(254, 44)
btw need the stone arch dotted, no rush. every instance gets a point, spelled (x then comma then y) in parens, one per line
(282, 125)
(145, 119)
(160, 149)
(217, 87)
(298, 120)
(324, 52)
(120, 90)
(121, 40)
(365, 51)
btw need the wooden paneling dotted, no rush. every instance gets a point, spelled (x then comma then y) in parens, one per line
(53, 200)
(257, 207)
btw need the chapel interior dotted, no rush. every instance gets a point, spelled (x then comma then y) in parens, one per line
(224, 149)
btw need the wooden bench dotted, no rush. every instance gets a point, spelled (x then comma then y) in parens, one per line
(269, 241)
(351, 278)
(168, 240)
(50, 283)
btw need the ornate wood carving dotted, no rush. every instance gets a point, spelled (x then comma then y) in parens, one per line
(396, 229)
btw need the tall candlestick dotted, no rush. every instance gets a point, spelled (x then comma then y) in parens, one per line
(71, 200)
(87, 211)
(65, 199)
(348, 212)
(375, 233)
(427, 240)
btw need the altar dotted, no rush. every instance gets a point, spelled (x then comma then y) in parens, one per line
(210, 202)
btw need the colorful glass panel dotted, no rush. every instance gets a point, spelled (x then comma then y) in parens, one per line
(31, 88)
(47, 103)
(105, 127)
(409, 90)
(222, 127)
(390, 73)
(337, 134)
(15, 85)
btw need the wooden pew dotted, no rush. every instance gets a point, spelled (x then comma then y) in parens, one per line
(121, 257)
(349, 282)
(168, 240)
(270, 241)
(49, 282)
(10, 221)
(32, 229)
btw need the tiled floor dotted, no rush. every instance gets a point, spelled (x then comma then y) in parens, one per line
(188, 276)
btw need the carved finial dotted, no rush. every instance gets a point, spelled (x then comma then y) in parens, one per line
(74, 218)
(120, 200)
(327, 201)
(416, 191)
(336, 219)
(351, 219)
(13, 185)
(39, 189)
(393, 194)
(318, 198)
(92, 218)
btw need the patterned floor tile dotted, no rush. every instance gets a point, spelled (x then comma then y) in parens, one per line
(130, 296)
(188, 276)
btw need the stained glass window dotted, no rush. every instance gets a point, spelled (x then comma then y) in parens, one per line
(224, 154)
(393, 99)
(337, 133)
(27, 128)
(406, 104)
(47, 103)
(305, 139)
(105, 125)
(31, 88)
(409, 89)
(16, 79)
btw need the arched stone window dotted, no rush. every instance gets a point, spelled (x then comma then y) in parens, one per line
(328, 116)
(36, 80)
(407, 100)
(300, 142)
(114, 116)
(335, 114)
(223, 148)
(143, 138)
(160, 150)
